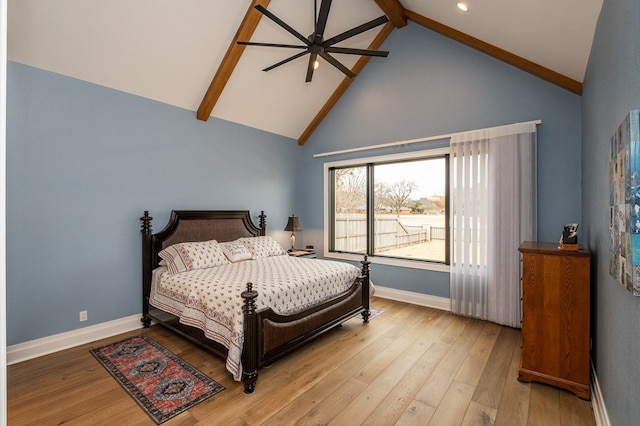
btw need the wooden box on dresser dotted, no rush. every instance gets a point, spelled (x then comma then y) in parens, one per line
(555, 317)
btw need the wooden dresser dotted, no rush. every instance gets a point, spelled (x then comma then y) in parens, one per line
(555, 317)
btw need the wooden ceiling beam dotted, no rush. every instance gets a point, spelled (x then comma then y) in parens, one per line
(346, 82)
(491, 50)
(398, 16)
(394, 11)
(230, 60)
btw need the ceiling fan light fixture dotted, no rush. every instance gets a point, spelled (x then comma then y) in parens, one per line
(462, 6)
(315, 45)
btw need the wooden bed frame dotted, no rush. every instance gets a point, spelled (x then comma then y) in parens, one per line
(268, 336)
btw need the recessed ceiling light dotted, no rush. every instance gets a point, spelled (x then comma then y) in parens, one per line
(462, 6)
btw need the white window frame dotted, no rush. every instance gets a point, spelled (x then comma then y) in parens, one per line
(380, 260)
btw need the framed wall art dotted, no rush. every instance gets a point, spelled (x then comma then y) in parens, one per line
(624, 213)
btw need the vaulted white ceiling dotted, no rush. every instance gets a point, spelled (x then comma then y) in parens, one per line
(169, 50)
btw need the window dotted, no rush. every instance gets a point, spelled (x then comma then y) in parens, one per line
(390, 207)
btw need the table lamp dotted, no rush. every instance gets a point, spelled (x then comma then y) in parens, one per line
(292, 226)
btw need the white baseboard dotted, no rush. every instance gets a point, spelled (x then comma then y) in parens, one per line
(46, 345)
(421, 299)
(599, 410)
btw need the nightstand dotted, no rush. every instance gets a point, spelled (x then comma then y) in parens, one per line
(302, 253)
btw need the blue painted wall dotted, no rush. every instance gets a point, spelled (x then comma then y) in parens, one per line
(611, 90)
(83, 163)
(430, 85)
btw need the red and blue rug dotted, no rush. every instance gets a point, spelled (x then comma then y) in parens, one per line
(159, 381)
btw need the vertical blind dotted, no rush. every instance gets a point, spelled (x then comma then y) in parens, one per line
(493, 209)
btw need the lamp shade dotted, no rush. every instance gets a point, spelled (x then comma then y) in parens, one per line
(293, 225)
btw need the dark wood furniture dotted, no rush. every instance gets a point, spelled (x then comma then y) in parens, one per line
(555, 317)
(268, 336)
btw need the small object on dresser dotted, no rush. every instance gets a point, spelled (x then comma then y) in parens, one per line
(569, 239)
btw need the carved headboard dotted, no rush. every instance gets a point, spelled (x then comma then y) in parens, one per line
(193, 225)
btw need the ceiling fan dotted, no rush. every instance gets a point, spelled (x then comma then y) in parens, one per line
(315, 44)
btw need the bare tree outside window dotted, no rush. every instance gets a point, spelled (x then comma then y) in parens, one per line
(395, 195)
(350, 189)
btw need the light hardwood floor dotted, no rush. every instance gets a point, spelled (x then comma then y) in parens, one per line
(409, 366)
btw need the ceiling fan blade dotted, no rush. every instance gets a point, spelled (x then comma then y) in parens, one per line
(333, 61)
(321, 23)
(311, 67)
(349, 51)
(289, 46)
(280, 22)
(289, 59)
(355, 31)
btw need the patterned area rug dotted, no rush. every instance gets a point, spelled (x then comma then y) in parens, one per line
(163, 384)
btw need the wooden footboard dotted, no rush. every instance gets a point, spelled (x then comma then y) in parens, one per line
(270, 336)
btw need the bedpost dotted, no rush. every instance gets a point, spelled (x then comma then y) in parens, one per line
(250, 356)
(365, 288)
(147, 263)
(263, 223)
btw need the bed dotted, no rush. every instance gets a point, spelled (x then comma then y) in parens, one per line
(256, 329)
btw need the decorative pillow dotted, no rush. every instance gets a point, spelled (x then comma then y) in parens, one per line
(189, 256)
(235, 251)
(263, 247)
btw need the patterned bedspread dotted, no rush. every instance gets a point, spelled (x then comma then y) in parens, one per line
(210, 298)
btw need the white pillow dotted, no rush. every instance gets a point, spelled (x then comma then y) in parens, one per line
(235, 251)
(263, 247)
(196, 255)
